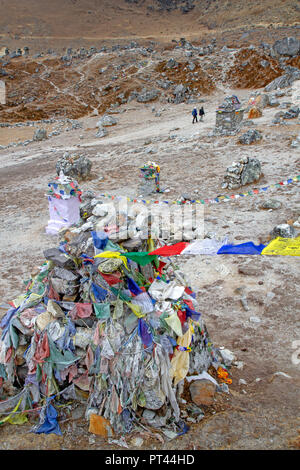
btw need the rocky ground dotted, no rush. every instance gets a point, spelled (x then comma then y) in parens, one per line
(262, 407)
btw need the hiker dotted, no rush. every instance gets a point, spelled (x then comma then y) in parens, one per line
(194, 114)
(201, 113)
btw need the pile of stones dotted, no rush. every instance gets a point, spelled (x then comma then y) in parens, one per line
(75, 166)
(247, 170)
(251, 136)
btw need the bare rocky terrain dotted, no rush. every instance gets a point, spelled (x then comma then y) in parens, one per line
(261, 411)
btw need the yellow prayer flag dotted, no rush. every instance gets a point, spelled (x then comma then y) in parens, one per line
(283, 246)
(113, 254)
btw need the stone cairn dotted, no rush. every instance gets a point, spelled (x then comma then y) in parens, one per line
(247, 170)
(114, 329)
(150, 179)
(229, 116)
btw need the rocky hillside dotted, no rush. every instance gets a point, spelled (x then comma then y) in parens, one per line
(96, 80)
(86, 22)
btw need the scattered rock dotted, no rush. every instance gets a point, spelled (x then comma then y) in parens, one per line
(287, 47)
(284, 80)
(283, 230)
(137, 442)
(248, 270)
(227, 356)
(251, 136)
(282, 374)
(102, 132)
(147, 95)
(106, 121)
(244, 303)
(179, 94)
(292, 113)
(254, 319)
(296, 142)
(273, 102)
(40, 134)
(171, 63)
(100, 426)
(271, 204)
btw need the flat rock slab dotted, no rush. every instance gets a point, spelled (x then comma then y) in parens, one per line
(202, 392)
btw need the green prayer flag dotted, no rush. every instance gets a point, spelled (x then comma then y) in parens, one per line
(102, 310)
(117, 293)
(142, 258)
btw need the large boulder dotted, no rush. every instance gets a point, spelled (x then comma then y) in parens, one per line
(251, 171)
(287, 46)
(107, 121)
(283, 230)
(180, 93)
(75, 166)
(59, 259)
(292, 113)
(147, 95)
(284, 80)
(202, 392)
(296, 142)
(270, 204)
(102, 132)
(247, 170)
(40, 134)
(254, 113)
(251, 136)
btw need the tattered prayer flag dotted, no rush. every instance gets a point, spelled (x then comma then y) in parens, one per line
(100, 239)
(83, 310)
(49, 424)
(133, 287)
(174, 322)
(144, 301)
(136, 309)
(247, 248)
(192, 313)
(169, 250)
(181, 316)
(145, 334)
(141, 257)
(98, 292)
(113, 254)
(112, 279)
(102, 311)
(283, 246)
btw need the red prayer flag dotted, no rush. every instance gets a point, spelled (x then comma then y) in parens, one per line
(169, 250)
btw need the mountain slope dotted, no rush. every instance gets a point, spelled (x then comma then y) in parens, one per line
(88, 20)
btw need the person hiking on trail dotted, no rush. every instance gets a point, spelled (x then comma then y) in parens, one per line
(201, 113)
(194, 114)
